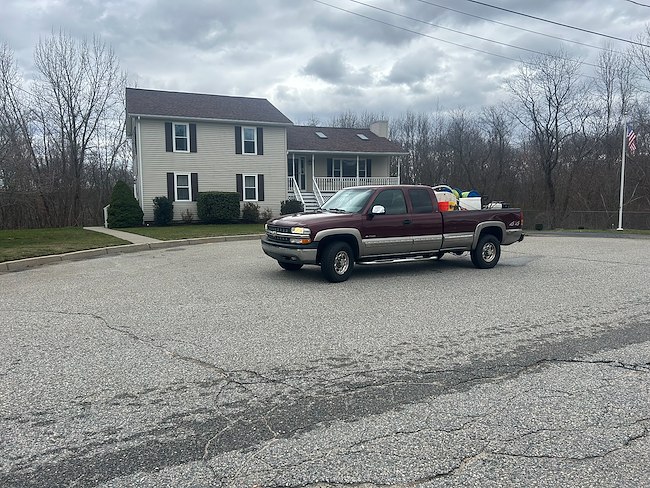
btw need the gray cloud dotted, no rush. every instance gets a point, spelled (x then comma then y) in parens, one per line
(310, 59)
(328, 67)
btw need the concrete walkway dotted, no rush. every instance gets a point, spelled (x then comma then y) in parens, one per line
(126, 236)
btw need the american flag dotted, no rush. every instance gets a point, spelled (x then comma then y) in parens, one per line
(631, 139)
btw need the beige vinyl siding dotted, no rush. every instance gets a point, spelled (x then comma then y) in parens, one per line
(215, 162)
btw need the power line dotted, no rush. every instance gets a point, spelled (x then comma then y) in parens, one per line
(638, 3)
(559, 23)
(415, 32)
(431, 37)
(465, 33)
(517, 27)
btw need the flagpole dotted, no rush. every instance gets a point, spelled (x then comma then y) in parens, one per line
(620, 203)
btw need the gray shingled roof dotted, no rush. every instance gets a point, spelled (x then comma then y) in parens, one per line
(201, 106)
(304, 138)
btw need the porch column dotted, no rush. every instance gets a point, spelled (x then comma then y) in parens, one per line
(293, 173)
(357, 170)
(313, 175)
(399, 164)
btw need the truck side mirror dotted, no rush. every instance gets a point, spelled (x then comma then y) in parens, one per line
(378, 210)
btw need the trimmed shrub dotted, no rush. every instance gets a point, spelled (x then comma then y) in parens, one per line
(290, 207)
(163, 211)
(218, 207)
(250, 213)
(125, 210)
(267, 214)
(187, 216)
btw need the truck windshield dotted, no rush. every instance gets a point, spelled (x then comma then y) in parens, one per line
(350, 200)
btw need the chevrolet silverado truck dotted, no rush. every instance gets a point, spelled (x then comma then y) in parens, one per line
(372, 224)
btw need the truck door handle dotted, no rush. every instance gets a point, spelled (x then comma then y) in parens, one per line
(407, 221)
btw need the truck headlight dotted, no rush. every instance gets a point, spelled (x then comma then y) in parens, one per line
(303, 235)
(300, 230)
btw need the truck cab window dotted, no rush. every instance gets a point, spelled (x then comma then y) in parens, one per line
(421, 201)
(392, 200)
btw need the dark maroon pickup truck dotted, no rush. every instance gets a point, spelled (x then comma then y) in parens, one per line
(367, 224)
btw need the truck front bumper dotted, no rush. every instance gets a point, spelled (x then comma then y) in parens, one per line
(290, 253)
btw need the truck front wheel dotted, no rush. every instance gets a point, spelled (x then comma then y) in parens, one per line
(487, 252)
(337, 262)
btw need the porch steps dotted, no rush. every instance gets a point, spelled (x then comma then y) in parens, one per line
(311, 204)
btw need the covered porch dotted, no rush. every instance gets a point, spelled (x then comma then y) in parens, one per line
(321, 175)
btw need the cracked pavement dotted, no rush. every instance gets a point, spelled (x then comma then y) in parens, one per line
(209, 366)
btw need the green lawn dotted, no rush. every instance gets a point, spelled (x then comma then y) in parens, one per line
(172, 232)
(29, 243)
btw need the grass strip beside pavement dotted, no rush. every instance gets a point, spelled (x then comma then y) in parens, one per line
(30, 243)
(173, 232)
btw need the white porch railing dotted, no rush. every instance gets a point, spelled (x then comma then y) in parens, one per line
(293, 186)
(319, 196)
(329, 184)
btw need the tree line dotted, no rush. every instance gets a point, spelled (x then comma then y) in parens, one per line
(62, 138)
(553, 147)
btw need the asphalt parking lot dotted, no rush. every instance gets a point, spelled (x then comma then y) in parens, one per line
(209, 366)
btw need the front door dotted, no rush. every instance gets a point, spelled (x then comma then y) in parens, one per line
(300, 172)
(296, 168)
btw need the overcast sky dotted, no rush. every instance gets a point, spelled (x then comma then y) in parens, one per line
(311, 59)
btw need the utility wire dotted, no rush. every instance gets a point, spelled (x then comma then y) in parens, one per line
(517, 27)
(415, 32)
(432, 37)
(559, 23)
(465, 33)
(638, 3)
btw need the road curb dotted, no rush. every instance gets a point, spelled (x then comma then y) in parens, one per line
(29, 263)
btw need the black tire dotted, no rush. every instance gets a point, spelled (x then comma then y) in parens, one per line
(290, 266)
(337, 262)
(487, 252)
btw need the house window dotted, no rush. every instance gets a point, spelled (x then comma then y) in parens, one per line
(347, 168)
(250, 188)
(183, 191)
(249, 138)
(181, 138)
(363, 168)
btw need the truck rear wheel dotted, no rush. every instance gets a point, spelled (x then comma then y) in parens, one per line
(337, 262)
(487, 252)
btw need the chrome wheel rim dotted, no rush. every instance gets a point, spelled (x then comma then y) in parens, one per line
(489, 252)
(341, 262)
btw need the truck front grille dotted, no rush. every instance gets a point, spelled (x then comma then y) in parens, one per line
(277, 233)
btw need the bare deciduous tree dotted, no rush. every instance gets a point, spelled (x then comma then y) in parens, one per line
(548, 92)
(67, 125)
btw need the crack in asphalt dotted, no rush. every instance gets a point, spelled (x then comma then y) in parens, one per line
(226, 432)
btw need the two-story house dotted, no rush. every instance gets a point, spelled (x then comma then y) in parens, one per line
(186, 143)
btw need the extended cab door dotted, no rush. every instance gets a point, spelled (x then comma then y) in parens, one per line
(426, 220)
(388, 233)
